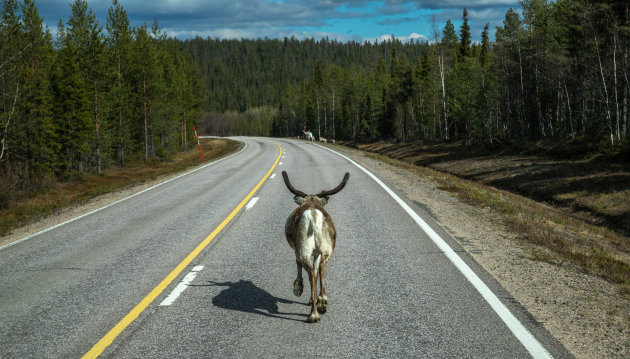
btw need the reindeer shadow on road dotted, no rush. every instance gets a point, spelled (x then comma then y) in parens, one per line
(245, 296)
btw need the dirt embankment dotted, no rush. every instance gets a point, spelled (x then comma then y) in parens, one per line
(595, 189)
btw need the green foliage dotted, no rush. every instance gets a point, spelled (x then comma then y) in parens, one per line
(71, 112)
(90, 98)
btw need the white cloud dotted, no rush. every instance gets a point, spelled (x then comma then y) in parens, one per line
(411, 37)
(458, 4)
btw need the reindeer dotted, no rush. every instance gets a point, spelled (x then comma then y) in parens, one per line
(308, 135)
(311, 233)
(322, 139)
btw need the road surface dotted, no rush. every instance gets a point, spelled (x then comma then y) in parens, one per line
(198, 267)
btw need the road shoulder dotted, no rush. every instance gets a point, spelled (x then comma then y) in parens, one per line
(585, 313)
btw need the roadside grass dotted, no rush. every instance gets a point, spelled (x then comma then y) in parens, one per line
(555, 235)
(23, 207)
(592, 188)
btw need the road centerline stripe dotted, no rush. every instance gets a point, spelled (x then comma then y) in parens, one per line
(527, 339)
(100, 346)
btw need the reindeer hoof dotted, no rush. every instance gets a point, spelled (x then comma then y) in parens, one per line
(313, 318)
(322, 304)
(298, 287)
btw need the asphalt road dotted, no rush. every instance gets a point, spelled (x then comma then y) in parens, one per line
(392, 292)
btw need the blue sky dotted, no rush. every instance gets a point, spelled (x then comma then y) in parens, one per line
(342, 20)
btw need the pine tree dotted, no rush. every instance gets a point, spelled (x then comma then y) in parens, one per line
(464, 89)
(145, 71)
(11, 52)
(86, 35)
(119, 45)
(318, 83)
(34, 105)
(509, 41)
(72, 111)
(464, 37)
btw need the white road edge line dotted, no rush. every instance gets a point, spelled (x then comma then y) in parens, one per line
(116, 202)
(526, 338)
(251, 203)
(181, 287)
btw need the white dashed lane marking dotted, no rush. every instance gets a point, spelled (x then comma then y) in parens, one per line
(181, 287)
(251, 203)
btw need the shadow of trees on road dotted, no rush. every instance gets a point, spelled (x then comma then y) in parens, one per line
(593, 188)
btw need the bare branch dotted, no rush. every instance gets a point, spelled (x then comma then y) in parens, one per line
(14, 56)
(6, 126)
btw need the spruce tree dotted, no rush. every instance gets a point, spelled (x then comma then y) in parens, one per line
(35, 141)
(464, 37)
(144, 72)
(86, 35)
(118, 60)
(11, 51)
(72, 113)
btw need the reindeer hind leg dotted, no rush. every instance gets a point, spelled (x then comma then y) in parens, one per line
(298, 284)
(312, 276)
(322, 300)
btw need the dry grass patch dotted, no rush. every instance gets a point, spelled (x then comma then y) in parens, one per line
(595, 189)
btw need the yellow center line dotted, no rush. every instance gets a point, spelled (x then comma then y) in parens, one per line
(109, 338)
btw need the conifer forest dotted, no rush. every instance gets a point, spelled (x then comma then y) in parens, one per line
(98, 95)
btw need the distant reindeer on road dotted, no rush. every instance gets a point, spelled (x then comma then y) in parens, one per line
(308, 135)
(311, 233)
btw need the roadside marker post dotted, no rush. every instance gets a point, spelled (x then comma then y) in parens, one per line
(199, 144)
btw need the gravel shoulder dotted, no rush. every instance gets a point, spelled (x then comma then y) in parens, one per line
(585, 313)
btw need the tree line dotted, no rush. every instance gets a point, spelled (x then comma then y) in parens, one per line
(93, 97)
(556, 70)
(101, 95)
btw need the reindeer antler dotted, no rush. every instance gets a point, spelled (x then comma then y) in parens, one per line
(336, 189)
(290, 186)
